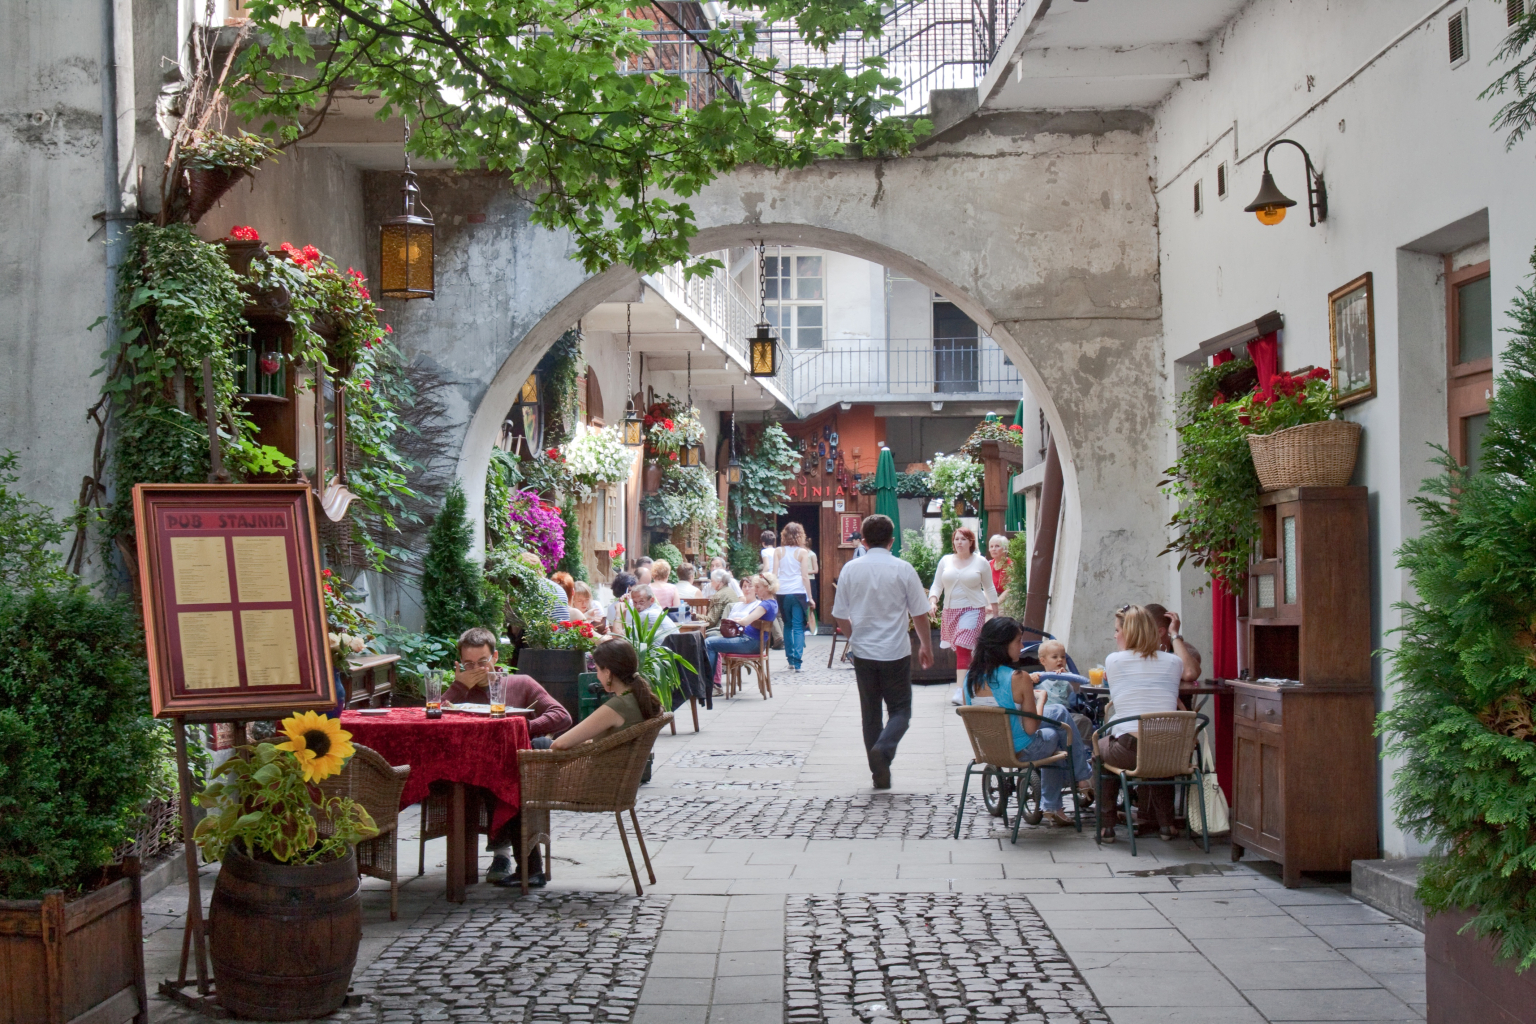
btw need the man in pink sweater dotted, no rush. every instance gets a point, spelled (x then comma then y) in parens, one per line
(547, 719)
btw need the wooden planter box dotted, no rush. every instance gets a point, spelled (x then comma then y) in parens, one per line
(81, 960)
(1467, 982)
(557, 672)
(943, 670)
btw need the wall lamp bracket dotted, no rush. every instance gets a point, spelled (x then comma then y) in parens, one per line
(1270, 204)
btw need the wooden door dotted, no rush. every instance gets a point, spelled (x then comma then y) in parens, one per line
(1271, 817)
(1247, 801)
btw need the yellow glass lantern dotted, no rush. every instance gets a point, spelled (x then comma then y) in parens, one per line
(634, 427)
(763, 349)
(406, 250)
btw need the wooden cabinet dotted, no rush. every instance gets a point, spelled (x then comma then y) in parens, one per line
(1304, 756)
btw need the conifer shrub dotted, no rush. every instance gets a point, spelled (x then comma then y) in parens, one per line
(1465, 670)
(453, 594)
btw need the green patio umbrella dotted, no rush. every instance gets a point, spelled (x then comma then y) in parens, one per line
(885, 494)
(1013, 516)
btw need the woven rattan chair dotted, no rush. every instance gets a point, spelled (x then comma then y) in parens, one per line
(1167, 754)
(757, 663)
(376, 784)
(992, 749)
(596, 777)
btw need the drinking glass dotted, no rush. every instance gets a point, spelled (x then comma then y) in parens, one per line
(498, 688)
(1096, 675)
(432, 690)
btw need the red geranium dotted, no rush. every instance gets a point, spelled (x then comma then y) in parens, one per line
(618, 549)
(244, 233)
(669, 424)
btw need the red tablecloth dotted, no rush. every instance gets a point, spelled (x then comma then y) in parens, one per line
(472, 749)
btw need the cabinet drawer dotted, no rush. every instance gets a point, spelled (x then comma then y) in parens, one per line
(1267, 710)
(1245, 705)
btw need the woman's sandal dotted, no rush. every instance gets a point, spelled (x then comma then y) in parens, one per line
(1060, 819)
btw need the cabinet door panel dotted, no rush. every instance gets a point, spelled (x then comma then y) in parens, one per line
(1272, 785)
(1246, 799)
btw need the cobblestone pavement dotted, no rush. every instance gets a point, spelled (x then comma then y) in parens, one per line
(547, 959)
(937, 957)
(723, 816)
(737, 759)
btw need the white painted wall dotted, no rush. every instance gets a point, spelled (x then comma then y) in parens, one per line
(1406, 151)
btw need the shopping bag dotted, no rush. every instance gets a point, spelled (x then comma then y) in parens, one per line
(1217, 819)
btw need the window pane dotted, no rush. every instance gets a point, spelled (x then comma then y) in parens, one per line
(808, 324)
(1474, 322)
(1474, 427)
(808, 277)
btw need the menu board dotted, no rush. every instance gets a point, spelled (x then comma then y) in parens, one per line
(232, 601)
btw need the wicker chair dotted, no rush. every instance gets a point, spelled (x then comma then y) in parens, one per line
(757, 663)
(991, 738)
(1167, 754)
(596, 777)
(374, 783)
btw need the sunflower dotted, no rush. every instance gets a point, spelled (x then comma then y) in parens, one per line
(321, 745)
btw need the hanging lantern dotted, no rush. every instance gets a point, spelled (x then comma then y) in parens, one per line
(693, 455)
(634, 426)
(406, 246)
(764, 352)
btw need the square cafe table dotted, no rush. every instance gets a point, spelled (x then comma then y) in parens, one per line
(460, 748)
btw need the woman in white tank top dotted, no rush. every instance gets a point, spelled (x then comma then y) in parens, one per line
(794, 564)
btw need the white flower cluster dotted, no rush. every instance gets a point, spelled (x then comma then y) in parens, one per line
(956, 476)
(598, 457)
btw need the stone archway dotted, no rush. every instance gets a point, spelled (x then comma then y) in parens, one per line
(1043, 231)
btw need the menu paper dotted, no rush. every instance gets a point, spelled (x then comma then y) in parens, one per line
(200, 570)
(271, 651)
(208, 658)
(261, 570)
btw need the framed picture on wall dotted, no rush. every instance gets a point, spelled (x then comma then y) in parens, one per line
(1352, 340)
(847, 526)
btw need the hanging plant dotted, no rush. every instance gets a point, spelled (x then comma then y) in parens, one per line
(957, 478)
(992, 429)
(535, 526)
(669, 429)
(597, 458)
(765, 471)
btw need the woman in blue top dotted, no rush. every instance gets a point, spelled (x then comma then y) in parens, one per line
(993, 682)
(755, 613)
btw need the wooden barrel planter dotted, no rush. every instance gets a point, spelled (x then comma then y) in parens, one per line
(75, 960)
(284, 937)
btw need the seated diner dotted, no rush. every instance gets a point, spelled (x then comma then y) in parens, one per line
(1142, 680)
(642, 600)
(749, 619)
(992, 681)
(618, 670)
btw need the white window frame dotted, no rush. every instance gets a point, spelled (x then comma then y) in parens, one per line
(789, 328)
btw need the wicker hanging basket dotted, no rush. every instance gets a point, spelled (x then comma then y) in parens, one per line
(1311, 455)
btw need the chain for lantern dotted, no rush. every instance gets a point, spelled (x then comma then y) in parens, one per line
(763, 347)
(733, 468)
(762, 273)
(634, 433)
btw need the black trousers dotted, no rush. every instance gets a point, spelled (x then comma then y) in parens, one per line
(885, 700)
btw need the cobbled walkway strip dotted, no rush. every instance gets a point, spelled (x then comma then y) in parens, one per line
(955, 959)
(709, 814)
(690, 758)
(547, 959)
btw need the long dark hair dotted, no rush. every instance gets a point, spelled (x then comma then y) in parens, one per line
(619, 658)
(991, 651)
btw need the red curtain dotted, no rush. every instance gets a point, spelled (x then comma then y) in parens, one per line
(1265, 353)
(1224, 356)
(1223, 632)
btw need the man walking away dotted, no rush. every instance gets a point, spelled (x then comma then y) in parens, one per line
(876, 595)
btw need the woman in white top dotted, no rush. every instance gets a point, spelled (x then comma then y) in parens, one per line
(1142, 680)
(794, 564)
(965, 580)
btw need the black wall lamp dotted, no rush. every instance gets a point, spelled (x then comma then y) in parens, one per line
(1270, 204)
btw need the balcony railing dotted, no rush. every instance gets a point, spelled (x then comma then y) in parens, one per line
(902, 369)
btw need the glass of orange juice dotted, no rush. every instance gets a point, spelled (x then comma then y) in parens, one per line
(498, 689)
(432, 690)
(1096, 676)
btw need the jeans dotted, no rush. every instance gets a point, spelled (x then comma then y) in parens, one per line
(793, 608)
(1155, 803)
(1047, 740)
(718, 645)
(888, 683)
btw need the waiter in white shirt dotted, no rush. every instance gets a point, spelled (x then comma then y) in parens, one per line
(876, 596)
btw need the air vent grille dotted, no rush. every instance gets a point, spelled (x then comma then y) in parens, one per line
(1456, 30)
(1199, 198)
(1221, 181)
(1514, 10)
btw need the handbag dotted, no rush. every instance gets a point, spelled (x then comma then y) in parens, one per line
(1217, 819)
(730, 628)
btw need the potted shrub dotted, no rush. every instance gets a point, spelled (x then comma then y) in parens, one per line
(1461, 716)
(555, 653)
(77, 762)
(284, 923)
(214, 163)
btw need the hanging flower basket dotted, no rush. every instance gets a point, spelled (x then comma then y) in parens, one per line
(206, 186)
(1310, 455)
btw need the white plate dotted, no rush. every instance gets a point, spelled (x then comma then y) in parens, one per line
(374, 711)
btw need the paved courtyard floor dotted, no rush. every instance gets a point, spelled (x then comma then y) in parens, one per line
(790, 892)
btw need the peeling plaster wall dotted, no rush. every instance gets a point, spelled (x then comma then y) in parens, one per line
(308, 196)
(1041, 227)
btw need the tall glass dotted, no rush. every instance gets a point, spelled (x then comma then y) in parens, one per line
(1096, 676)
(498, 688)
(432, 689)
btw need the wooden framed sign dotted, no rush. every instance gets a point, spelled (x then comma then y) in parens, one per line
(233, 612)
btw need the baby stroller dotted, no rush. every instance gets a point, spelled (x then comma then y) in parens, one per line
(997, 786)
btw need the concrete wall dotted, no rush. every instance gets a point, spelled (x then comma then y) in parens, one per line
(1041, 228)
(1412, 168)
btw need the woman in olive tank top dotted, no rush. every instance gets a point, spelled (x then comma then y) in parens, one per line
(618, 669)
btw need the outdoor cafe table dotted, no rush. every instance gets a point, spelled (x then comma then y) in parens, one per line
(462, 749)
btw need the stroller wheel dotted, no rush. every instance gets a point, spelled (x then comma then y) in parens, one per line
(996, 787)
(1029, 799)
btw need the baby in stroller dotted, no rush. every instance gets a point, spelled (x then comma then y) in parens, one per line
(1058, 677)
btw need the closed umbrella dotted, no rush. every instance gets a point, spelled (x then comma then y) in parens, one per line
(885, 494)
(1013, 516)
